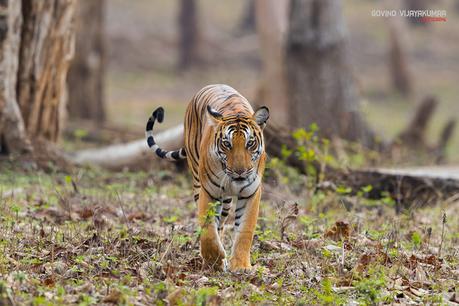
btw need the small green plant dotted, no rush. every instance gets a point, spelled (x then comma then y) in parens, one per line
(170, 219)
(416, 239)
(369, 288)
(203, 294)
(387, 199)
(80, 134)
(325, 295)
(211, 212)
(343, 190)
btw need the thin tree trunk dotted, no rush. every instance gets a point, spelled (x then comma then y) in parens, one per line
(416, 5)
(47, 43)
(271, 21)
(86, 75)
(188, 34)
(321, 85)
(13, 138)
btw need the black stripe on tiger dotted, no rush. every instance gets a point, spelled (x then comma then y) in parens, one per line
(158, 114)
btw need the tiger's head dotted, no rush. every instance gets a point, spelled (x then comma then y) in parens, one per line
(238, 142)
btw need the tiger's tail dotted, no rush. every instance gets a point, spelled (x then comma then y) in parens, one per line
(169, 155)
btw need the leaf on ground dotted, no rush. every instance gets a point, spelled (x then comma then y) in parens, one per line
(366, 259)
(138, 215)
(113, 297)
(49, 281)
(341, 230)
(86, 212)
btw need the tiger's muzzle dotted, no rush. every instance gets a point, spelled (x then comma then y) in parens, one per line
(239, 175)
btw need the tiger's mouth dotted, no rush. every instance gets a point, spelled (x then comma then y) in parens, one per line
(239, 179)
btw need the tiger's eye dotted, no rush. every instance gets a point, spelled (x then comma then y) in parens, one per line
(226, 143)
(250, 143)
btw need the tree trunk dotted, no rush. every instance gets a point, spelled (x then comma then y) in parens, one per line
(321, 85)
(36, 45)
(271, 19)
(47, 43)
(416, 5)
(86, 75)
(13, 138)
(400, 74)
(188, 34)
(247, 22)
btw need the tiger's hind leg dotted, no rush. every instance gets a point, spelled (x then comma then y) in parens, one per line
(212, 250)
(245, 223)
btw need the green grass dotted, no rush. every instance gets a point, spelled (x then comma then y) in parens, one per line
(92, 236)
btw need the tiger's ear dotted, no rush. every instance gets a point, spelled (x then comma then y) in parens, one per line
(214, 115)
(261, 116)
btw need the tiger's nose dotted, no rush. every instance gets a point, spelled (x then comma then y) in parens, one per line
(239, 171)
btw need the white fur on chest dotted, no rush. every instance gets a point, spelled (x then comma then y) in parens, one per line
(230, 188)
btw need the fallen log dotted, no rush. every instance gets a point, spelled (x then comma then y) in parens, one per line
(407, 188)
(123, 155)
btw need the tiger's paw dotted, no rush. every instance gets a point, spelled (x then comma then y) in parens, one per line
(213, 256)
(240, 265)
(215, 263)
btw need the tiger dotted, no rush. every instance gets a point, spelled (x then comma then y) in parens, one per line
(225, 151)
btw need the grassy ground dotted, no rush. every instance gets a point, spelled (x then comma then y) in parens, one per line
(93, 237)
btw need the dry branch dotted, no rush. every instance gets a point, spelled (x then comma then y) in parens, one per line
(445, 137)
(414, 134)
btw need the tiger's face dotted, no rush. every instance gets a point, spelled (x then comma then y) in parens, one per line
(239, 143)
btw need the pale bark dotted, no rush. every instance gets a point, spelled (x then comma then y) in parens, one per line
(86, 75)
(13, 138)
(36, 45)
(272, 22)
(46, 50)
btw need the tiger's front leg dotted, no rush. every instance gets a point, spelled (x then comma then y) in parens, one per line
(212, 250)
(245, 222)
